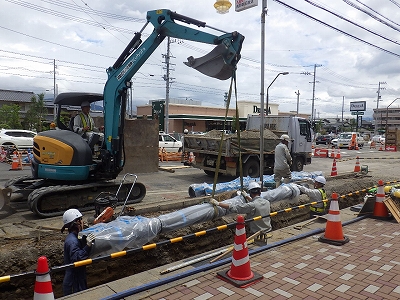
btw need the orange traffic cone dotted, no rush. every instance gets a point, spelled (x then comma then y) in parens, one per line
(380, 147)
(333, 153)
(334, 171)
(43, 287)
(333, 230)
(357, 167)
(380, 209)
(240, 274)
(191, 158)
(338, 154)
(15, 162)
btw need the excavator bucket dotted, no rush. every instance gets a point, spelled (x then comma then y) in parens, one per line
(213, 64)
(5, 196)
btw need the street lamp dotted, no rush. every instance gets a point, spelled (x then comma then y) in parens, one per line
(387, 111)
(262, 127)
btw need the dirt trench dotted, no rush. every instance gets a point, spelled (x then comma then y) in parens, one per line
(20, 255)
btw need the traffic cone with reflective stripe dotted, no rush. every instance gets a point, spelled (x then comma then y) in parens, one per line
(333, 153)
(43, 287)
(380, 209)
(334, 170)
(338, 154)
(357, 167)
(240, 274)
(333, 230)
(15, 162)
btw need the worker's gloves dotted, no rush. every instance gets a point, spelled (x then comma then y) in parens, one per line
(213, 202)
(90, 239)
(245, 195)
(301, 188)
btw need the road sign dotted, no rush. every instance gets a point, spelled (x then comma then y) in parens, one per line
(320, 152)
(357, 113)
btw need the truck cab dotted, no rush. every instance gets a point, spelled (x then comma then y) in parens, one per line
(298, 129)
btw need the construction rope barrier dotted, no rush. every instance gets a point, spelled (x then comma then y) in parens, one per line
(114, 255)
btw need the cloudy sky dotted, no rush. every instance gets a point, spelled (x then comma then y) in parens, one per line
(355, 45)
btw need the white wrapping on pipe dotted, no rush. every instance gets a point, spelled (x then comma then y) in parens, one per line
(131, 232)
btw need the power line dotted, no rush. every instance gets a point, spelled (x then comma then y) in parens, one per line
(334, 28)
(351, 22)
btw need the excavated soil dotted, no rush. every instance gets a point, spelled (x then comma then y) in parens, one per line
(20, 255)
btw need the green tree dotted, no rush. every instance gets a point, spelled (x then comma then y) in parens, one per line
(36, 113)
(9, 116)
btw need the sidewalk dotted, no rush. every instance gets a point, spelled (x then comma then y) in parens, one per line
(368, 267)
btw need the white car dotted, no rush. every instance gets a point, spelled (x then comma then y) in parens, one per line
(334, 142)
(378, 139)
(169, 143)
(18, 138)
(344, 139)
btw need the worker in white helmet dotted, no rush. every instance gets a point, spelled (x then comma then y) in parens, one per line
(75, 250)
(283, 161)
(254, 206)
(316, 194)
(185, 132)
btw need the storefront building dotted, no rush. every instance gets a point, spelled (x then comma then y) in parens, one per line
(199, 118)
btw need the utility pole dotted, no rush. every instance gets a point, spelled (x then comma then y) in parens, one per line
(54, 91)
(342, 113)
(313, 97)
(168, 82)
(226, 98)
(298, 98)
(377, 106)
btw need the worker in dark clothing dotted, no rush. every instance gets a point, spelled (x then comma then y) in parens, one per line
(75, 250)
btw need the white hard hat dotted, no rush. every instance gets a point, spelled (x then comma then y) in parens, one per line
(71, 215)
(85, 104)
(253, 185)
(320, 179)
(186, 131)
(285, 137)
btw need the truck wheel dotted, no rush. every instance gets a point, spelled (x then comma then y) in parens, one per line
(209, 173)
(251, 168)
(298, 164)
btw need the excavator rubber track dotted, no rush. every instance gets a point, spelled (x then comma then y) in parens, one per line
(54, 200)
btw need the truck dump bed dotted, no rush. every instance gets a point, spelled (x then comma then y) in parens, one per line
(250, 142)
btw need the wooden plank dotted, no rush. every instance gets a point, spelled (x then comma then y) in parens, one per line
(393, 207)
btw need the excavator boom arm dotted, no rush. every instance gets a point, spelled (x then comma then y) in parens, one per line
(220, 63)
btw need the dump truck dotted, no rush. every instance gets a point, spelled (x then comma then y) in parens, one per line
(205, 148)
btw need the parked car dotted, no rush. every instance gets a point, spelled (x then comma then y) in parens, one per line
(334, 142)
(378, 139)
(344, 139)
(169, 143)
(323, 139)
(17, 138)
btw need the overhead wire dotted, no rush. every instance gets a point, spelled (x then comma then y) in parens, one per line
(335, 28)
(351, 22)
(369, 14)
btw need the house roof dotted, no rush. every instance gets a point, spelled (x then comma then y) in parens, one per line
(15, 96)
